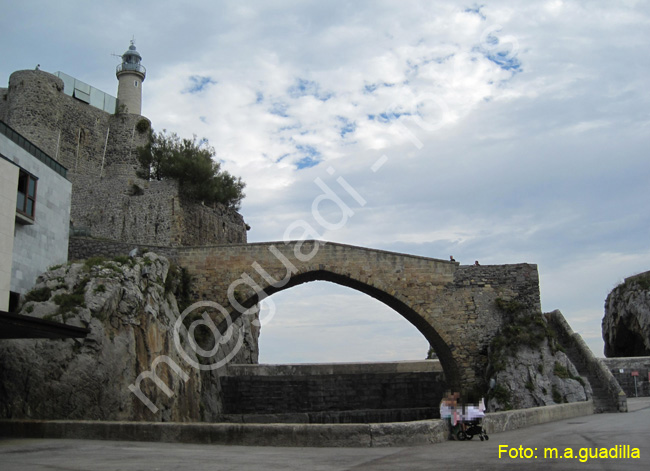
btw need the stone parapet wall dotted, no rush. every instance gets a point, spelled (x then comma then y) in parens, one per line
(360, 416)
(303, 435)
(497, 422)
(419, 433)
(616, 396)
(310, 369)
(521, 279)
(206, 225)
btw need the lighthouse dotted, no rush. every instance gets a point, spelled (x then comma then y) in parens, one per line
(130, 75)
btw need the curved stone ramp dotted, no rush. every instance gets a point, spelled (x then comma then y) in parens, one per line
(608, 396)
(301, 435)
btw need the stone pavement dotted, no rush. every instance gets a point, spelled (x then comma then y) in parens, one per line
(595, 431)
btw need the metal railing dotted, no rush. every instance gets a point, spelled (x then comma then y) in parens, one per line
(126, 67)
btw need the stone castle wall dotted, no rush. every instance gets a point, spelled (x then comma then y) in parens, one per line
(99, 150)
(80, 248)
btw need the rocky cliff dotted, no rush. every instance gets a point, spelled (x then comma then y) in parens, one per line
(528, 367)
(626, 325)
(130, 306)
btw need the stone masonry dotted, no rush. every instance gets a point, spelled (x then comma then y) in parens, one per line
(453, 306)
(99, 150)
(333, 393)
(632, 373)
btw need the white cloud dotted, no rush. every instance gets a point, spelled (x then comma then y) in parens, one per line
(511, 132)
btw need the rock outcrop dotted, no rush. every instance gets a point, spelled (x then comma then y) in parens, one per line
(528, 367)
(626, 325)
(130, 307)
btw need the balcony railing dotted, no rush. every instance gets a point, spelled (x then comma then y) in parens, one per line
(126, 67)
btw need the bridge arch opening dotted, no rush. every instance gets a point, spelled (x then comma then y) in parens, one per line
(443, 351)
(323, 322)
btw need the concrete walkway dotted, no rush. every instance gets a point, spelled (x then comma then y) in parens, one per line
(594, 431)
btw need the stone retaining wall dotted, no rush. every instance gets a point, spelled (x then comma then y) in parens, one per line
(628, 365)
(350, 392)
(284, 394)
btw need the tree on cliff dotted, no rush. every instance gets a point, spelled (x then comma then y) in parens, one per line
(190, 161)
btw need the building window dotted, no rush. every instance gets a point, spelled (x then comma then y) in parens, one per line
(26, 201)
(135, 84)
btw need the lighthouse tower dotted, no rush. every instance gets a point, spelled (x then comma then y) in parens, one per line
(130, 74)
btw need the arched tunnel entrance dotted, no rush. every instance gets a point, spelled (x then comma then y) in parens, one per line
(342, 391)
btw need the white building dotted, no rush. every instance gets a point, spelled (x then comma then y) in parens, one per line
(34, 215)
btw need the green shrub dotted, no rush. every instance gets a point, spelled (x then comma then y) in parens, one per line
(561, 371)
(191, 162)
(511, 306)
(179, 283)
(91, 262)
(39, 295)
(136, 190)
(123, 259)
(142, 126)
(644, 282)
(68, 302)
(502, 395)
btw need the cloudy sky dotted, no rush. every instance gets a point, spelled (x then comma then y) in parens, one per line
(503, 132)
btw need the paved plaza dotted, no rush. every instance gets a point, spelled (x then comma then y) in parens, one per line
(590, 433)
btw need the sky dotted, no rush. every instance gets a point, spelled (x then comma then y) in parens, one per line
(500, 131)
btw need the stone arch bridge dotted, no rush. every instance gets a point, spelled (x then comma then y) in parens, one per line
(453, 306)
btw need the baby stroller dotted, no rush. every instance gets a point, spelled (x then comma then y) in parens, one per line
(472, 427)
(471, 420)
